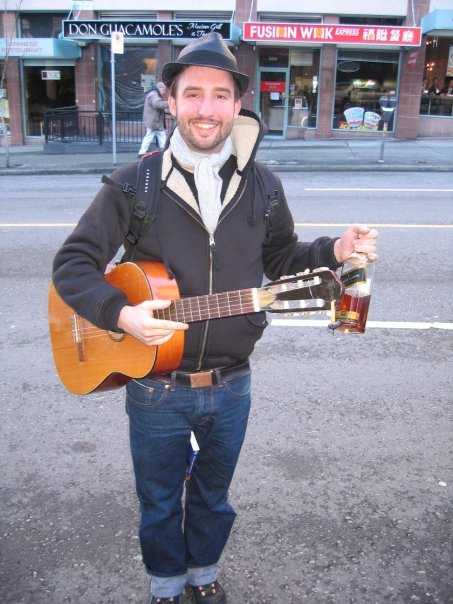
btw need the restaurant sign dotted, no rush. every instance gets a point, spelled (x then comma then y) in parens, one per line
(331, 34)
(38, 48)
(143, 30)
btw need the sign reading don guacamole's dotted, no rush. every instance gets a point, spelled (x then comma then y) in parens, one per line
(143, 30)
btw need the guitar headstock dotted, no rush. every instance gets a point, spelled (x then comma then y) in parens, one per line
(304, 292)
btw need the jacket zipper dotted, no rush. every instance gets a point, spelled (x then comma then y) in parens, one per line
(212, 252)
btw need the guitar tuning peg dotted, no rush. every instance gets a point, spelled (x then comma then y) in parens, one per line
(305, 272)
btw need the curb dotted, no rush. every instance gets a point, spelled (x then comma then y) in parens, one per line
(274, 166)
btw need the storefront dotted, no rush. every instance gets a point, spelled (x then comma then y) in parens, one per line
(293, 76)
(313, 75)
(41, 74)
(136, 68)
(436, 101)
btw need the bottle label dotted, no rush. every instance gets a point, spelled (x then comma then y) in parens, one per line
(355, 275)
(347, 315)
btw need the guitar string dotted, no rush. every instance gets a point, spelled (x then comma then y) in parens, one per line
(224, 304)
(233, 310)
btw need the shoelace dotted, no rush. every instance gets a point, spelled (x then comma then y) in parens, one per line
(206, 590)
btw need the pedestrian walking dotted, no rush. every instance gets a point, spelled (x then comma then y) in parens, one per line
(154, 118)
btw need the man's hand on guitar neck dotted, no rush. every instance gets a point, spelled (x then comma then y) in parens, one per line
(139, 322)
(357, 238)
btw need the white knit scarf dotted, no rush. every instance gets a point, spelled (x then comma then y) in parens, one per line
(206, 168)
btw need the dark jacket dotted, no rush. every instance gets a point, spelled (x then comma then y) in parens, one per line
(236, 259)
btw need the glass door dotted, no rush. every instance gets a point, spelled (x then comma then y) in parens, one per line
(273, 100)
(46, 87)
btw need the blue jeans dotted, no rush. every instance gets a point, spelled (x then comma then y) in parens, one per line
(174, 538)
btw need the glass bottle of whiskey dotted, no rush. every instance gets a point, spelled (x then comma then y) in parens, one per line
(357, 276)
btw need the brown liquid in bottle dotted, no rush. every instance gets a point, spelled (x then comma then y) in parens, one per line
(352, 313)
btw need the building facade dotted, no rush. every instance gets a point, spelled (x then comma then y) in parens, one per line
(320, 72)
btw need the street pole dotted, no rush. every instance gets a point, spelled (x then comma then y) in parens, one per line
(388, 104)
(112, 78)
(384, 134)
(116, 47)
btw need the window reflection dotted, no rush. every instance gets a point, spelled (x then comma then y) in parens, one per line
(437, 85)
(361, 79)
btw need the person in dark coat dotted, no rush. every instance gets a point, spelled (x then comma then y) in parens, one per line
(212, 235)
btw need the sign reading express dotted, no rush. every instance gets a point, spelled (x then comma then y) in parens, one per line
(95, 30)
(332, 34)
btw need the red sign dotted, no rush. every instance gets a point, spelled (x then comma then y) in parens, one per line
(373, 35)
(267, 86)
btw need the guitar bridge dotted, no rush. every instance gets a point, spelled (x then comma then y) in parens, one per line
(77, 336)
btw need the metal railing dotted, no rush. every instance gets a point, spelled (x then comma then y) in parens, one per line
(69, 125)
(436, 105)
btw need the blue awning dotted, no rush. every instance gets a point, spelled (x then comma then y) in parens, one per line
(438, 22)
(39, 48)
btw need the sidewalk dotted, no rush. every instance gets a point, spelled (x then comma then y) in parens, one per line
(424, 154)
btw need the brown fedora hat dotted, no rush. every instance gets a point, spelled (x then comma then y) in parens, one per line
(209, 50)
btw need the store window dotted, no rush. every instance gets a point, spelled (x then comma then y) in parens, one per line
(135, 73)
(437, 86)
(46, 87)
(388, 21)
(361, 79)
(41, 25)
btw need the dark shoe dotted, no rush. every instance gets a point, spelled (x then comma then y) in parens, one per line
(172, 600)
(212, 593)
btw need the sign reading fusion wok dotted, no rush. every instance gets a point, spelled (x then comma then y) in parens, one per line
(139, 30)
(374, 35)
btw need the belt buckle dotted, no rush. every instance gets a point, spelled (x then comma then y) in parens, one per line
(202, 379)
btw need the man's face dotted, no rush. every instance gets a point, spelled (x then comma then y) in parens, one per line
(204, 107)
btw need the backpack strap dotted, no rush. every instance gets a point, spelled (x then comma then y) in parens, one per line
(145, 197)
(147, 193)
(269, 187)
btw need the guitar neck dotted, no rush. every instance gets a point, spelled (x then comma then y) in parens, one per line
(211, 306)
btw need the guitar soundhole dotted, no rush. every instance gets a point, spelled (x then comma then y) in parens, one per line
(117, 336)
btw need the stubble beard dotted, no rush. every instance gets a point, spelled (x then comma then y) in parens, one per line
(204, 145)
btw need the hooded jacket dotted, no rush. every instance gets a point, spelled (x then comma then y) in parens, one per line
(236, 257)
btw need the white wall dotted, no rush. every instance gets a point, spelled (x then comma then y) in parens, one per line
(384, 8)
(129, 6)
(441, 5)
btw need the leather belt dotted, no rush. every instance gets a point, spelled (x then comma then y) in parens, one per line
(204, 379)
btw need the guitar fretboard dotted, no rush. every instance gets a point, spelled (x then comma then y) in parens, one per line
(212, 306)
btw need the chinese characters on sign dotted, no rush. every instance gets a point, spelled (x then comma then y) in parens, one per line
(332, 34)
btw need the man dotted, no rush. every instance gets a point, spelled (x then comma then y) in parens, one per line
(154, 118)
(211, 233)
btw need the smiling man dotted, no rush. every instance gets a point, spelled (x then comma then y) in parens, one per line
(205, 104)
(213, 233)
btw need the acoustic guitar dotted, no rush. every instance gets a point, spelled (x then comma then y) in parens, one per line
(88, 358)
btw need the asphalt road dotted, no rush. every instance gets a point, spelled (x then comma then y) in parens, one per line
(344, 486)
